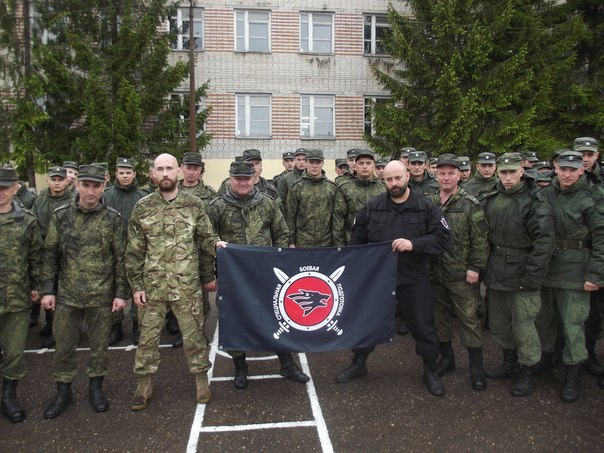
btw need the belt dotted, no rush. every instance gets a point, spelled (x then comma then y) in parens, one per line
(510, 251)
(563, 244)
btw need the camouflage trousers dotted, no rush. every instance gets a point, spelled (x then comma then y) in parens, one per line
(458, 298)
(66, 328)
(512, 322)
(571, 307)
(190, 318)
(13, 335)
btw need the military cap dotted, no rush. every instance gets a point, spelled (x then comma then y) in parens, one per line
(300, 152)
(103, 165)
(57, 171)
(8, 176)
(314, 154)
(585, 144)
(341, 161)
(92, 172)
(433, 160)
(405, 151)
(382, 162)
(557, 152)
(531, 156)
(251, 154)
(352, 152)
(573, 159)
(125, 162)
(464, 163)
(417, 156)
(288, 155)
(486, 158)
(542, 164)
(238, 158)
(509, 161)
(364, 153)
(447, 159)
(192, 159)
(70, 164)
(241, 169)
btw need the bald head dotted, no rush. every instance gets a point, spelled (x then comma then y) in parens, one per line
(395, 166)
(165, 175)
(396, 178)
(165, 159)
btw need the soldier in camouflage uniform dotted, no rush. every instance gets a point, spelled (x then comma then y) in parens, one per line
(165, 233)
(244, 215)
(464, 169)
(421, 181)
(341, 166)
(577, 268)
(380, 164)
(254, 157)
(455, 273)
(485, 179)
(292, 177)
(84, 279)
(21, 250)
(122, 197)
(310, 204)
(353, 194)
(25, 196)
(351, 155)
(71, 169)
(289, 163)
(522, 239)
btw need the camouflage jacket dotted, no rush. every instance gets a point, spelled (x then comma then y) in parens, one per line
(286, 182)
(164, 239)
(309, 207)
(276, 179)
(578, 217)
(21, 255)
(262, 185)
(45, 205)
(521, 236)
(201, 191)
(123, 199)
(479, 186)
(470, 248)
(84, 258)
(350, 197)
(255, 220)
(344, 177)
(427, 186)
(25, 196)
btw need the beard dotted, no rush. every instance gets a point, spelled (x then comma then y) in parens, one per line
(397, 191)
(167, 185)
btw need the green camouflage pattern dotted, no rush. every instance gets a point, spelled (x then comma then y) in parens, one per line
(262, 185)
(84, 257)
(164, 237)
(21, 258)
(479, 186)
(45, 205)
(470, 229)
(13, 337)
(286, 182)
(201, 191)
(309, 207)
(350, 197)
(25, 196)
(123, 199)
(344, 177)
(427, 186)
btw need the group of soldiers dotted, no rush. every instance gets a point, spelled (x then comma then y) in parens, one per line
(530, 233)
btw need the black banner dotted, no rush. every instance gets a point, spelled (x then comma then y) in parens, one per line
(305, 300)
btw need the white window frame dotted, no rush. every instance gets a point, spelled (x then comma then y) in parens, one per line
(372, 39)
(243, 15)
(308, 124)
(182, 15)
(309, 20)
(368, 103)
(246, 131)
(199, 107)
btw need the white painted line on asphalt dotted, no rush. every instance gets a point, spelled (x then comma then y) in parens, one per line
(249, 378)
(221, 429)
(130, 347)
(326, 445)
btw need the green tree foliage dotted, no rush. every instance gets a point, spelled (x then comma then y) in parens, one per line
(472, 75)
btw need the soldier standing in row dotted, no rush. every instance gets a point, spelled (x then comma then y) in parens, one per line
(254, 157)
(485, 179)
(84, 279)
(351, 155)
(421, 181)
(465, 168)
(293, 176)
(289, 163)
(21, 254)
(341, 166)
(71, 170)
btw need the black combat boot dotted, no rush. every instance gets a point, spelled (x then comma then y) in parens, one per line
(172, 323)
(34, 315)
(446, 362)
(545, 366)
(570, 392)
(477, 376)
(289, 369)
(240, 380)
(63, 398)
(10, 406)
(431, 379)
(358, 368)
(136, 333)
(46, 331)
(49, 342)
(525, 384)
(592, 365)
(97, 398)
(177, 343)
(116, 335)
(508, 368)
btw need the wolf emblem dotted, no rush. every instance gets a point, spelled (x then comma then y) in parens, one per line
(309, 300)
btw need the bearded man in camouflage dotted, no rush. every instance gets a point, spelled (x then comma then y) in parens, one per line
(83, 280)
(165, 232)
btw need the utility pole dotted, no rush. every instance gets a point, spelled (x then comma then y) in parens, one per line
(192, 106)
(29, 158)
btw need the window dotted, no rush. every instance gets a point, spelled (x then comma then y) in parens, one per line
(374, 30)
(252, 31)
(370, 102)
(253, 113)
(180, 21)
(316, 32)
(180, 101)
(317, 117)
